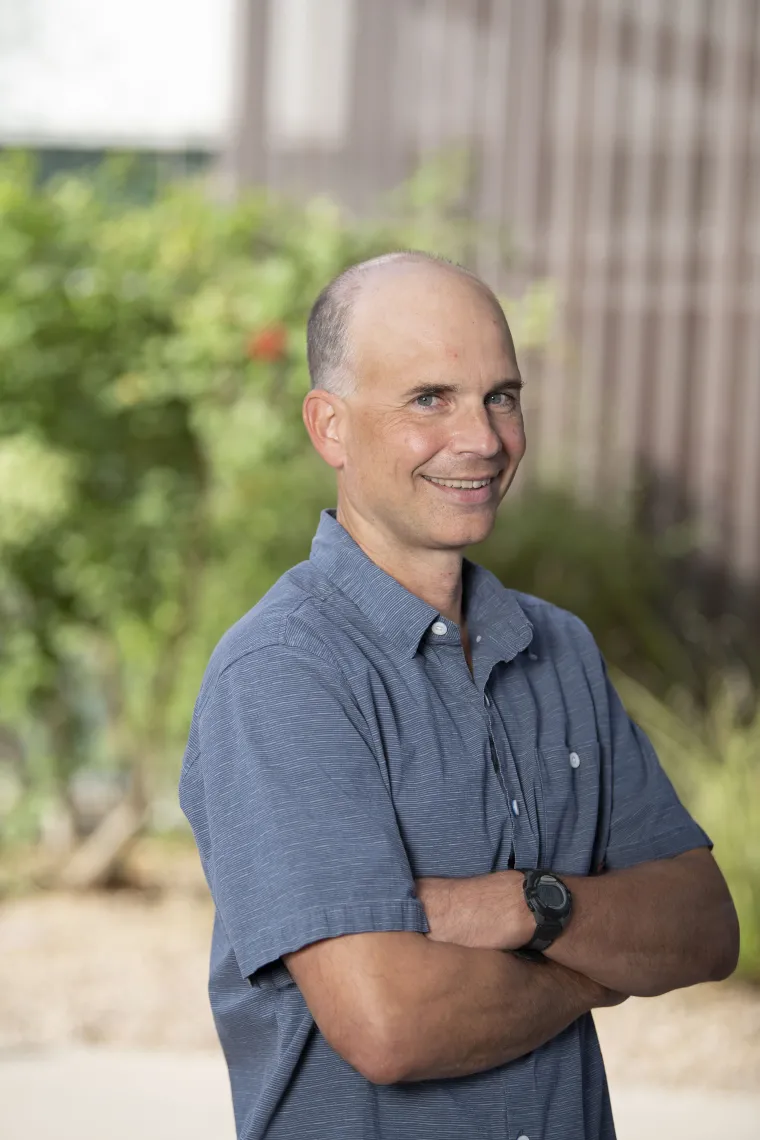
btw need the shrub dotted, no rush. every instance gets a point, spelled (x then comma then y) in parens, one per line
(155, 476)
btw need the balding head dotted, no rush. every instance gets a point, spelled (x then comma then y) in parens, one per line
(415, 401)
(330, 347)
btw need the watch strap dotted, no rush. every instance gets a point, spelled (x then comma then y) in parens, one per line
(529, 955)
(544, 934)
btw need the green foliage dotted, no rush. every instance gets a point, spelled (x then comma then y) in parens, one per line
(712, 758)
(155, 477)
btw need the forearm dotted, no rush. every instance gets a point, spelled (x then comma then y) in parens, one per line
(468, 1010)
(651, 928)
(644, 930)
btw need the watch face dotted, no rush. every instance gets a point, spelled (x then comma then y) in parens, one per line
(551, 894)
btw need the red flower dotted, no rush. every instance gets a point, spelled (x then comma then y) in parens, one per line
(269, 343)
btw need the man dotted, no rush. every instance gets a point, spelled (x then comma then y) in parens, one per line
(388, 747)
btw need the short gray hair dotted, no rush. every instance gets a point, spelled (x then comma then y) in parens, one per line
(328, 341)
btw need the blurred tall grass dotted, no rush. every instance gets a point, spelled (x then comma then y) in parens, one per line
(712, 755)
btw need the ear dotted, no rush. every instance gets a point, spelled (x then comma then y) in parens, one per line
(323, 415)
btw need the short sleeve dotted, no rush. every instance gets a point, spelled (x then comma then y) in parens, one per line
(647, 819)
(301, 834)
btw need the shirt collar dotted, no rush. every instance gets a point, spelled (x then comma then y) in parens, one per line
(493, 613)
(496, 622)
(391, 608)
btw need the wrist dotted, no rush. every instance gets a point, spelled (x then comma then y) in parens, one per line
(486, 912)
(550, 903)
(491, 911)
(524, 920)
(510, 912)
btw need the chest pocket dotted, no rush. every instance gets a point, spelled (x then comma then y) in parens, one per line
(570, 788)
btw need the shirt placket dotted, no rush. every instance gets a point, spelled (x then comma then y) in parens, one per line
(524, 1112)
(446, 637)
(497, 765)
(521, 1106)
(524, 851)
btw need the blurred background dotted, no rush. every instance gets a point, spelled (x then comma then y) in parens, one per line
(178, 179)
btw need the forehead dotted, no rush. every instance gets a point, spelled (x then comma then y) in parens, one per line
(427, 317)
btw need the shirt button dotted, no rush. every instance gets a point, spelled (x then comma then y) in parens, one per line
(531, 657)
(522, 1136)
(487, 699)
(439, 628)
(478, 638)
(515, 807)
(575, 760)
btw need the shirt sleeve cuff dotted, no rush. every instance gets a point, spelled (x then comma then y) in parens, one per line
(316, 923)
(665, 846)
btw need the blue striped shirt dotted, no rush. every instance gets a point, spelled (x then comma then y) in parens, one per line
(340, 748)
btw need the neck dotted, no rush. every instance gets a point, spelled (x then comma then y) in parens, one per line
(435, 576)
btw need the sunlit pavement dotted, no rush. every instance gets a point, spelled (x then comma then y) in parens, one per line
(103, 1094)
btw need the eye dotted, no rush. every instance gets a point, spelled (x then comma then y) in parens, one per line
(426, 400)
(502, 399)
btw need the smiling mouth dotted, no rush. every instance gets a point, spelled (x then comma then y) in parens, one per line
(461, 484)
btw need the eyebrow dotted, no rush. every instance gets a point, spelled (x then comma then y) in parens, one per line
(514, 382)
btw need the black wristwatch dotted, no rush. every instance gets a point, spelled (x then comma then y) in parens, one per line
(551, 903)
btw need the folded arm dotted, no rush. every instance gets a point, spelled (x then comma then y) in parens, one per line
(401, 1007)
(643, 930)
(659, 926)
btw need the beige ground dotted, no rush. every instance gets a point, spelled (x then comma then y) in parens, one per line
(128, 969)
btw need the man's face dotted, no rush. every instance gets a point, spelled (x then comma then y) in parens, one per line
(437, 402)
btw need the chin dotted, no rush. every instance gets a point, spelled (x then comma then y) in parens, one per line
(467, 533)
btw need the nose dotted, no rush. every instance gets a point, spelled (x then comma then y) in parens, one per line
(473, 433)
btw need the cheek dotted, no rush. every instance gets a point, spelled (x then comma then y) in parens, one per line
(421, 443)
(407, 446)
(513, 439)
(395, 446)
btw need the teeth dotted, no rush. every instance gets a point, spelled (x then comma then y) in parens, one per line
(463, 484)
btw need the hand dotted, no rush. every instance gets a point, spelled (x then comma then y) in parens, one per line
(605, 998)
(592, 993)
(599, 996)
(486, 912)
(612, 997)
